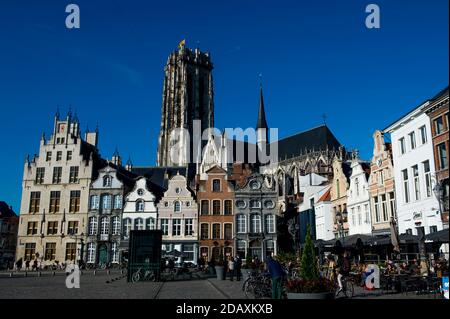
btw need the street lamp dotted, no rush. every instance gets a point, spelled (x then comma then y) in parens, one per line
(74, 235)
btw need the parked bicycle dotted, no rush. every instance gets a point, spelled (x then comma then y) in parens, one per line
(142, 274)
(258, 286)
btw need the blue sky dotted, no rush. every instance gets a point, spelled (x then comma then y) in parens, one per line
(316, 57)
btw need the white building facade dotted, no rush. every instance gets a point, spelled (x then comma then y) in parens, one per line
(358, 199)
(323, 210)
(178, 220)
(414, 171)
(139, 212)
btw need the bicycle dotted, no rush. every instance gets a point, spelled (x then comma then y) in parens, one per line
(146, 275)
(257, 286)
(348, 287)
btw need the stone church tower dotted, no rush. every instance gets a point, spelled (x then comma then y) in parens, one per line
(187, 96)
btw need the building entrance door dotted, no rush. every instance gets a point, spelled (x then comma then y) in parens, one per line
(102, 255)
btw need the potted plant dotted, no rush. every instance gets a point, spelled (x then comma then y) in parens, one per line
(220, 265)
(310, 285)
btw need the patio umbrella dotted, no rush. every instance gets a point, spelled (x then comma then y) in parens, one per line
(394, 235)
(438, 237)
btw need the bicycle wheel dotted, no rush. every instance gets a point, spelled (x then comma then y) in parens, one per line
(136, 277)
(249, 291)
(349, 289)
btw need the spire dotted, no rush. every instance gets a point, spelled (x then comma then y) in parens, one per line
(262, 123)
(57, 112)
(116, 152)
(75, 117)
(69, 113)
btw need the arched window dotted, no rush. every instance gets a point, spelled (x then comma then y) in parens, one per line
(114, 253)
(240, 248)
(92, 226)
(255, 223)
(118, 202)
(91, 253)
(107, 181)
(106, 201)
(176, 206)
(241, 223)
(150, 223)
(139, 224)
(140, 205)
(270, 224)
(126, 227)
(116, 225)
(104, 226)
(94, 202)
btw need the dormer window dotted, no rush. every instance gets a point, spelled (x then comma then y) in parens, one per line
(216, 185)
(140, 206)
(107, 181)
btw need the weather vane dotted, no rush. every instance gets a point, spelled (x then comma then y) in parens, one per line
(324, 118)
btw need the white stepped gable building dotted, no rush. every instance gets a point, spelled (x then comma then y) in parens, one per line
(358, 198)
(178, 219)
(414, 172)
(140, 211)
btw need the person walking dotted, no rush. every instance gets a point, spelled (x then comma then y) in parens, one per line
(237, 267)
(27, 265)
(231, 267)
(277, 274)
(19, 264)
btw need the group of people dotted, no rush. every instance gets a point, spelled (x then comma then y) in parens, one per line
(233, 267)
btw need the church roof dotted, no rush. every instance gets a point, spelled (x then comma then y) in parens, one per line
(318, 138)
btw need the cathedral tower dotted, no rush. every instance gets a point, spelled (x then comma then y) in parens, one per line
(187, 96)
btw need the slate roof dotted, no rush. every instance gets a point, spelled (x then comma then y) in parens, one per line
(6, 211)
(318, 138)
(156, 174)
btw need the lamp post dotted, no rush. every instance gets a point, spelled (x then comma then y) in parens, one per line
(73, 235)
(439, 193)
